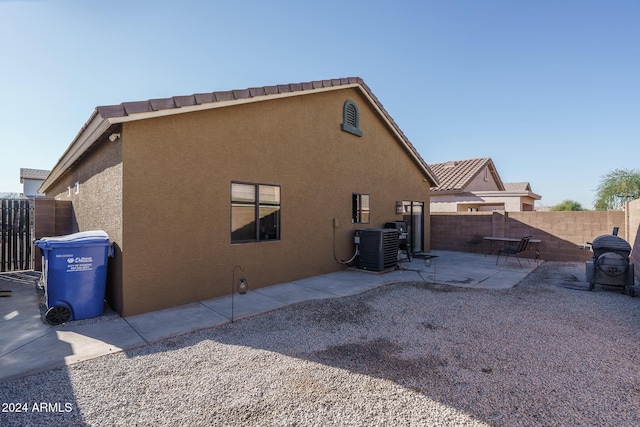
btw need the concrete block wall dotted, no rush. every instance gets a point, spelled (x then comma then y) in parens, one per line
(562, 233)
(51, 218)
(633, 231)
(450, 230)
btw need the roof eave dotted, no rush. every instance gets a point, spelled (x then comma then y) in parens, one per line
(217, 104)
(446, 192)
(433, 181)
(88, 135)
(507, 194)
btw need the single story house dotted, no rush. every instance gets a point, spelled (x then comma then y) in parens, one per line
(272, 181)
(475, 185)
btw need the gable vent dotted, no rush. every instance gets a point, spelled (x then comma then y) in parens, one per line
(351, 115)
(351, 118)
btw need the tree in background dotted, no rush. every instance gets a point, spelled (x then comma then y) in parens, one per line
(616, 188)
(568, 205)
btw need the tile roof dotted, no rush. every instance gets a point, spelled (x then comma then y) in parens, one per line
(33, 174)
(457, 174)
(109, 115)
(151, 105)
(517, 186)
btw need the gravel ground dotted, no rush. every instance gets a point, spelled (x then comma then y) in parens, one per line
(546, 352)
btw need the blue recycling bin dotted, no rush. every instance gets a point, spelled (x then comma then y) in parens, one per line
(75, 274)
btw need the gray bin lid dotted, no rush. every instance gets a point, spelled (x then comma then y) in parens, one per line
(92, 237)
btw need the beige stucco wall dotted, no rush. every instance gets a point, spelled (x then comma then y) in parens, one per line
(99, 199)
(462, 201)
(484, 181)
(515, 203)
(177, 175)
(484, 194)
(98, 204)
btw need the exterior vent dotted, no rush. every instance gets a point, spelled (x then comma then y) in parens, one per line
(351, 115)
(351, 118)
(378, 248)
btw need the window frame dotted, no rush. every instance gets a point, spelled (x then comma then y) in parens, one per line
(358, 210)
(259, 236)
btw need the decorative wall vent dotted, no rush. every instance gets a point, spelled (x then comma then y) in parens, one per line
(351, 118)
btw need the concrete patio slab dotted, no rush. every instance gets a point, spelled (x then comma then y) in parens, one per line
(245, 305)
(174, 321)
(93, 339)
(479, 271)
(68, 345)
(20, 313)
(344, 283)
(292, 292)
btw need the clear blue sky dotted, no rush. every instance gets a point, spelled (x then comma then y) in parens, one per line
(549, 89)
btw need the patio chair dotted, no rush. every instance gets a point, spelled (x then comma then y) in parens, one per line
(509, 250)
(475, 241)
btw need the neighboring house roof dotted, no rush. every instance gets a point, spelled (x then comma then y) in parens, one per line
(456, 175)
(39, 174)
(106, 119)
(517, 186)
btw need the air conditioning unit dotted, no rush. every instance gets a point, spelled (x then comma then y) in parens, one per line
(377, 248)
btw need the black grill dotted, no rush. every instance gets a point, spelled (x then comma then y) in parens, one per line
(610, 265)
(610, 243)
(403, 236)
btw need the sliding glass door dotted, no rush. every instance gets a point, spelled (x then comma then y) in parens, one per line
(414, 218)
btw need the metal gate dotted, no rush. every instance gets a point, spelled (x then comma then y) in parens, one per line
(16, 247)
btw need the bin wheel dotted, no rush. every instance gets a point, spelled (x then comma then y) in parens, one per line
(592, 286)
(57, 315)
